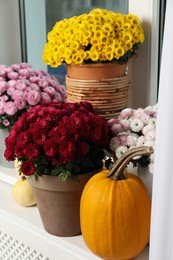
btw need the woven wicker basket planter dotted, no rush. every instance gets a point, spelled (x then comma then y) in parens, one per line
(106, 88)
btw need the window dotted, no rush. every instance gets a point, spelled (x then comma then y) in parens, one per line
(58, 10)
(39, 17)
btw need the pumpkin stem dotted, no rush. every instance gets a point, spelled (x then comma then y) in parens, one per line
(23, 178)
(117, 171)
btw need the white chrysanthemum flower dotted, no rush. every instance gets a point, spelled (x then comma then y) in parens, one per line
(145, 118)
(150, 135)
(152, 121)
(140, 141)
(147, 128)
(120, 150)
(126, 123)
(138, 112)
(136, 125)
(149, 108)
(132, 139)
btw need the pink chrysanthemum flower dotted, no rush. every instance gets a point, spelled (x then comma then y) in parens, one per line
(10, 108)
(3, 86)
(117, 128)
(21, 87)
(6, 122)
(126, 113)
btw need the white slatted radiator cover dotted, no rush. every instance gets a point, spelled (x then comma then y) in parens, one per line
(12, 249)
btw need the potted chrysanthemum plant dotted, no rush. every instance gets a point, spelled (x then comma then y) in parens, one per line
(96, 48)
(59, 147)
(134, 128)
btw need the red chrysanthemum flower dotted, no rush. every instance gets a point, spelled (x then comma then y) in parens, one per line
(58, 137)
(28, 168)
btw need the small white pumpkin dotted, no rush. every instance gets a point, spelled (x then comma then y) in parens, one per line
(22, 193)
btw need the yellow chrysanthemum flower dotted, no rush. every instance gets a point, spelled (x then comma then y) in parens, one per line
(120, 21)
(87, 55)
(141, 37)
(103, 56)
(74, 45)
(68, 54)
(109, 56)
(98, 36)
(94, 41)
(99, 11)
(108, 30)
(126, 27)
(94, 56)
(128, 46)
(126, 37)
(133, 18)
(61, 49)
(110, 40)
(97, 47)
(119, 52)
(87, 33)
(109, 20)
(77, 58)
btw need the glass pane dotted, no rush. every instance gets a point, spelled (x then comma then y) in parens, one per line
(58, 9)
(45, 13)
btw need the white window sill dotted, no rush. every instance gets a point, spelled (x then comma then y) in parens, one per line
(24, 225)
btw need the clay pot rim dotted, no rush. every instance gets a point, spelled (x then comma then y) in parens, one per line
(101, 64)
(95, 71)
(48, 182)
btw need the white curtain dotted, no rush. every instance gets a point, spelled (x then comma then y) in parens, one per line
(161, 239)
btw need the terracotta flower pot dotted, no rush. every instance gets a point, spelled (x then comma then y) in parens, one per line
(105, 85)
(96, 71)
(58, 203)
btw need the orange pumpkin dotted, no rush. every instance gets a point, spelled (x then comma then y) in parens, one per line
(115, 211)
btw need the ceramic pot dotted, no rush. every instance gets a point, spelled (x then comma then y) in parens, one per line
(58, 203)
(105, 85)
(3, 162)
